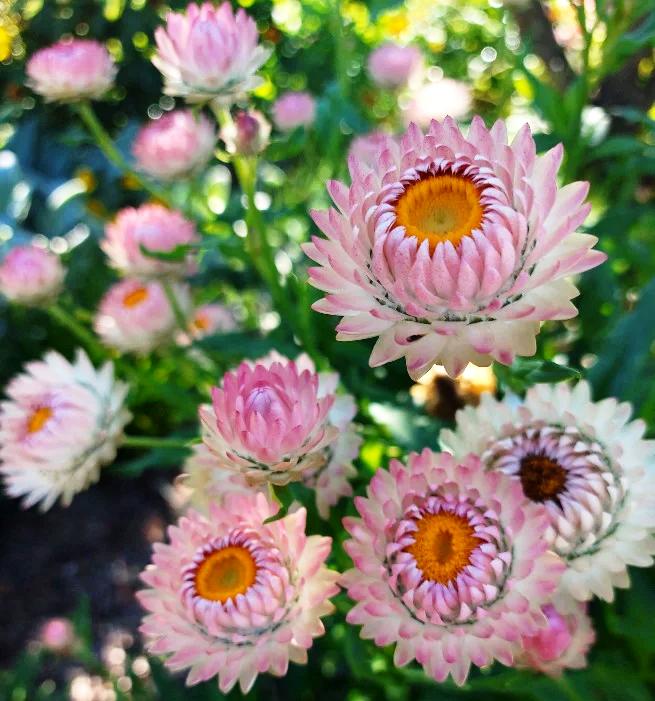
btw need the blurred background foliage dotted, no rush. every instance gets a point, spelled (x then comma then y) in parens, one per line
(581, 73)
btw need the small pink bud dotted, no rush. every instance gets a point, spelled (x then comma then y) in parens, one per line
(247, 134)
(57, 635)
(30, 275)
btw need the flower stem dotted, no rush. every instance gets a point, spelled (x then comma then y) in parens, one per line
(88, 340)
(180, 316)
(156, 442)
(108, 147)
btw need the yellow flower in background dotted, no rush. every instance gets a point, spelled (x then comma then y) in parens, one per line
(9, 29)
(5, 43)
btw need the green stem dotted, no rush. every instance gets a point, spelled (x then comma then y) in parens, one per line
(340, 49)
(108, 147)
(156, 442)
(63, 317)
(567, 689)
(178, 312)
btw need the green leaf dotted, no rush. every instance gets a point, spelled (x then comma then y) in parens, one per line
(175, 255)
(525, 372)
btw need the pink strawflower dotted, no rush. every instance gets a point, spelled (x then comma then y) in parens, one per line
(294, 109)
(437, 100)
(564, 644)
(210, 319)
(590, 468)
(392, 65)
(30, 275)
(57, 635)
(209, 52)
(368, 147)
(233, 597)
(450, 564)
(247, 133)
(70, 70)
(156, 228)
(60, 423)
(452, 249)
(176, 145)
(269, 420)
(136, 315)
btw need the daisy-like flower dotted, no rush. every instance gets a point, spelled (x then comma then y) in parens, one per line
(209, 53)
(31, 276)
(563, 644)
(436, 100)
(452, 249)
(60, 423)
(207, 320)
(294, 109)
(587, 464)
(450, 564)
(174, 146)
(136, 316)
(157, 229)
(71, 70)
(269, 420)
(393, 65)
(233, 597)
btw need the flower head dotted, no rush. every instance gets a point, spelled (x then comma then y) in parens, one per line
(269, 420)
(233, 597)
(563, 644)
(294, 109)
(209, 53)
(450, 564)
(366, 149)
(588, 467)
(451, 249)
(57, 635)
(393, 65)
(174, 146)
(437, 100)
(60, 423)
(247, 134)
(137, 316)
(157, 229)
(207, 320)
(71, 70)
(30, 275)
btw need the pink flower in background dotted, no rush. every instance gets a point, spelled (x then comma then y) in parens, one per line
(247, 134)
(71, 70)
(174, 146)
(392, 65)
(452, 249)
(563, 644)
(233, 597)
(590, 468)
(209, 52)
(450, 564)
(136, 316)
(60, 423)
(269, 420)
(210, 318)
(57, 635)
(154, 227)
(30, 275)
(294, 109)
(437, 100)
(368, 147)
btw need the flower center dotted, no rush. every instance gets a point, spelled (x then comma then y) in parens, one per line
(39, 419)
(440, 208)
(200, 323)
(136, 297)
(442, 546)
(542, 477)
(225, 573)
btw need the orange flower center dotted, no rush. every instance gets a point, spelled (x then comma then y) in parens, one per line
(440, 208)
(39, 419)
(442, 546)
(136, 297)
(200, 323)
(225, 573)
(542, 478)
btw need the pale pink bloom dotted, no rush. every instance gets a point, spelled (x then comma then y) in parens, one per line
(392, 65)
(587, 464)
(269, 420)
(156, 228)
(437, 100)
(176, 145)
(452, 249)
(247, 133)
(30, 275)
(294, 109)
(136, 315)
(60, 423)
(208, 320)
(234, 597)
(57, 635)
(564, 644)
(367, 148)
(209, 52)
(70, 70)
(450, 564)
